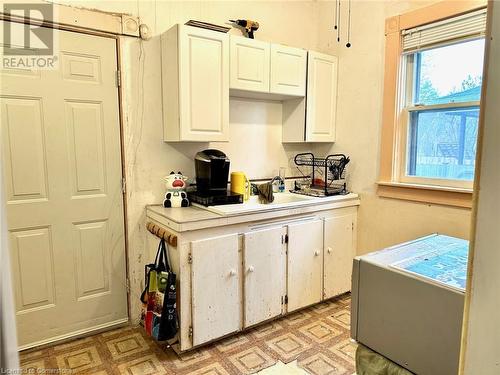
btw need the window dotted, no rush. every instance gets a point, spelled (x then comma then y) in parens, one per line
(440, 113)
(432, 84)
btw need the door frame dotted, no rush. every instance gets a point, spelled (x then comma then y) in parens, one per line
(95, 23)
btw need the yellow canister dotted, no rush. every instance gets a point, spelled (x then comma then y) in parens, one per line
(240, 184)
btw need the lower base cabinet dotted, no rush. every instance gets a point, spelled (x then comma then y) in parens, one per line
(236, 276)
(339, 251)
(305, 264)
(215, 296)
(263, 275)
(283, 269)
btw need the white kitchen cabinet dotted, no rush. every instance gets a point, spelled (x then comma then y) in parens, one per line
(321, 104)
(195, 84)
(288, 70)
(313, 119)
(237, 271)
(266, 70)
(305, 264)
(264, 275)
(250, 62)
(215, 282)
(339, 252)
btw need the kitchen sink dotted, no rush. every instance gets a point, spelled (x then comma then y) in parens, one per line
(281, 200)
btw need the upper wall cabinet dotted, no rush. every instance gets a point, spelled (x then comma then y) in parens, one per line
(195, 84)
(321, 100)
(260, 69)
(288, 70)
(250, 60)
(313, 119)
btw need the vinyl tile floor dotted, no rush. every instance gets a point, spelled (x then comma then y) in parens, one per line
(311, 341)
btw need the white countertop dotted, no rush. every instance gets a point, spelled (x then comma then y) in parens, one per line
(192, 218)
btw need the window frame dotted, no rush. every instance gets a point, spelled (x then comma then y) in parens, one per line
(395, 116)
(409, 74)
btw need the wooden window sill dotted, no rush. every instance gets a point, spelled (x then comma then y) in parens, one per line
(447, 196)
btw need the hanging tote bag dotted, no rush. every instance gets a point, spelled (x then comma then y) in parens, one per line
(159, 309)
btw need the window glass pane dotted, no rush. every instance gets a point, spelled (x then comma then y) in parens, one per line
(449, 74)
(442, 143)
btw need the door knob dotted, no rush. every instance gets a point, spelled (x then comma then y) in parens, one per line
(329, 249)
(232, 273)
(316, 253)
(251, 269)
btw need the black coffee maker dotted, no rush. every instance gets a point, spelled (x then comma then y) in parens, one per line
(212, 173)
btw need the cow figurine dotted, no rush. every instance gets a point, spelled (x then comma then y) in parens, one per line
(175, 195)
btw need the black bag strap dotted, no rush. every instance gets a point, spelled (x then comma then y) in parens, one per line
(161, 259)
(147, 269)
(167, 262)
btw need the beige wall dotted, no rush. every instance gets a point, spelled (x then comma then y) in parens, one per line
(382, 221)
(255, 145)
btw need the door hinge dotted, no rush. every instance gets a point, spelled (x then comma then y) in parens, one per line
(190, 331)
(124, 185)
(286, 238)
(190, 259)
(352, 226)
(118, 78)
(286, 299)
(127, 285)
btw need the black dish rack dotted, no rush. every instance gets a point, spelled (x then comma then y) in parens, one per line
(326, 176)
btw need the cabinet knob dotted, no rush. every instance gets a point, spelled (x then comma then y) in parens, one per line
(251, 269)
(316, 253)
(232, 273)
(329, 250)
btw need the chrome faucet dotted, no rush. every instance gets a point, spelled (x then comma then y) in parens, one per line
(277, 178)
(281, 185)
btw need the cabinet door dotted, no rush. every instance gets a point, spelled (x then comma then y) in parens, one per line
(288, 70)
(321, 104)
(305, 264)
(249, 64)
(215, 283)
(264, 275)
(204, 84)
(339, 253)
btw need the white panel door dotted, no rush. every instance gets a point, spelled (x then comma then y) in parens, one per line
(215, 283)
(204, 84)
(288, 70)
(305, 264)
(264, 275)
(321, 107)
(250, 62)
(62, 169)
(338, 255)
